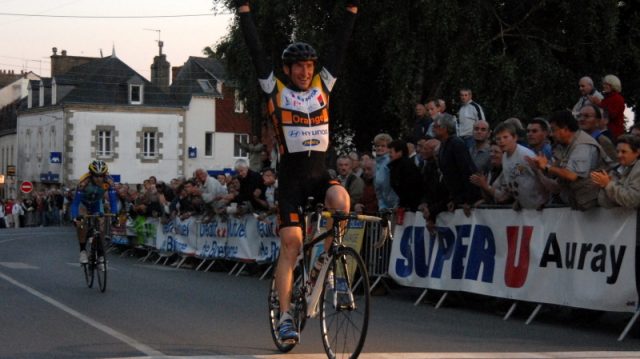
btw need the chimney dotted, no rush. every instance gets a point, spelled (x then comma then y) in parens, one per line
(160, 70)
(60, 64)
(174, 72)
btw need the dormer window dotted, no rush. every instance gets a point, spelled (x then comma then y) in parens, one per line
(136, 94)
(206, 86)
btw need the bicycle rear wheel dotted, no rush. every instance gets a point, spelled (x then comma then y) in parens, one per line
(344, 310)
(298, 306)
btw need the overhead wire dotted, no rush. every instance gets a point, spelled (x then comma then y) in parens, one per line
(110, 17)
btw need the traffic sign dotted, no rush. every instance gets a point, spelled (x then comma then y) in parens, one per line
(26, 187)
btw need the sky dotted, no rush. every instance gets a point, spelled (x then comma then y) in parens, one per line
(26, 41)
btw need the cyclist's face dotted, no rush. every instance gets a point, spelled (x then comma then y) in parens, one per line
(300, 73)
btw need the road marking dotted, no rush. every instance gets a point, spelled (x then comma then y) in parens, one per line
(145, 349)
(18, 265)
(13, 239)
(500, 355)
(154, 267)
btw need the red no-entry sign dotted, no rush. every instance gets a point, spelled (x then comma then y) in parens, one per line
(26, 187)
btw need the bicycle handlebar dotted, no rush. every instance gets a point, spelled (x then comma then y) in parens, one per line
(352, 215)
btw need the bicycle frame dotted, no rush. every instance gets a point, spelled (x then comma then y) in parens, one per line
(312, 294)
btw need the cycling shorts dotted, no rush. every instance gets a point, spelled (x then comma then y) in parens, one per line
(293, 193)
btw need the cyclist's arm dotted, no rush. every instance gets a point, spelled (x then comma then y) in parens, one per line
(264, 68)
(342, 33)
(113, 200)
(75, 205)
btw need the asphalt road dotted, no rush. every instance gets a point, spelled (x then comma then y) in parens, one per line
(149, 310)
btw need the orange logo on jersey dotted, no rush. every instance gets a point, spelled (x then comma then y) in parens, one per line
(289, 118)
(294, 218)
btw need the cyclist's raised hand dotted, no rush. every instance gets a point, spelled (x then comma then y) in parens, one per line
(238, 3)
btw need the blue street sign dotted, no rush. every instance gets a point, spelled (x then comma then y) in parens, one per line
(49, 177)
(55, 157)
(193, 152)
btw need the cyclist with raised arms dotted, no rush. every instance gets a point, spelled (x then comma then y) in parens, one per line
(298, 109)
(90, 194)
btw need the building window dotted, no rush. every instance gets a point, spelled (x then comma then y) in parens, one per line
(105, 143)
(27, 147)
(136, 94)
(39, 144)
(208, 144)
(238, 104)
(240, 138)
(149, 144)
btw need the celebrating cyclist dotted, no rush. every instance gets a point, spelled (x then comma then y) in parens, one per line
(298, 108)
(90, 194)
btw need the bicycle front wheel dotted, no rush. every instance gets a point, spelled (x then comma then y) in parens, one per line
(101, 273)
(344, 310)
(88, 274)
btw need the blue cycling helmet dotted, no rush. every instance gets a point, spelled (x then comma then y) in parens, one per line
(298, 51)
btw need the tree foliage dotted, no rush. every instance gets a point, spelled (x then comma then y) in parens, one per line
(520, 58)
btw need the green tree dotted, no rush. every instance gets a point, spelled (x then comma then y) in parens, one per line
(520, 58)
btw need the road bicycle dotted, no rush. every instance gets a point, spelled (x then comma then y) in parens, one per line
(95, 242)
(340, 295)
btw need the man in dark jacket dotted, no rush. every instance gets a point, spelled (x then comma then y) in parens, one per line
(455, 164)
(405, 177)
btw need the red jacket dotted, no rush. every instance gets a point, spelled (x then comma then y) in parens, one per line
(613, 102)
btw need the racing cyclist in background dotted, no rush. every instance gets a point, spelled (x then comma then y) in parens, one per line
(90, 194)
(298, 109)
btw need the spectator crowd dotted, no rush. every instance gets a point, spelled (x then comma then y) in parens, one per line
(581, 157)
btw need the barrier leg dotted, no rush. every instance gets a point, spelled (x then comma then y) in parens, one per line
(204, 260)
(266, 271)
(629, 325)
(424, 292)
(444, 296)
(210, 265)
(182, 260)
(234, 268)
(144, 259)
(375, 283)
(241, 268)
(125, 253)
(510, 311)
(533, 314)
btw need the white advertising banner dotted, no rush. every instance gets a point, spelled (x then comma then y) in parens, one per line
(234, 238)
(558, 256)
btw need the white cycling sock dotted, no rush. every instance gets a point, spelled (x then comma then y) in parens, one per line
(285, 316)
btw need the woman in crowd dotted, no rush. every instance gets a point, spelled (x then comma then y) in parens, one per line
(621, 186)
(613, 103)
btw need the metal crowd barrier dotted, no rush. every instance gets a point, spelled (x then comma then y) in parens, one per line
(376, 258)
